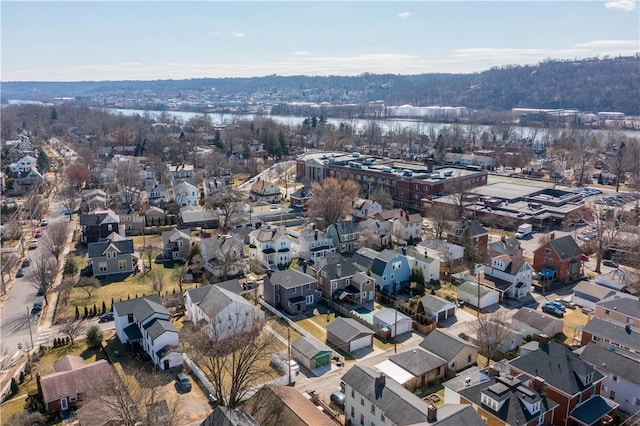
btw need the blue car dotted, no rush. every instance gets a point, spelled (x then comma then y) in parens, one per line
(550, 309)
(557, 305)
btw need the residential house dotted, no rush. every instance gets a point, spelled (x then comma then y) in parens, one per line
(447, 253)
(507, 400)
(314, 245)
(225, 416)
(182, 172)
(475, 294)
(349, 335)
(345, 236)
(372, 399)
(586, 294)
(438, 308)
(363, 209)
(612, 335)
(276, 405)
(618, 279)
(132, 222)
(499, 336)
(185, 194)
(301, 198)
(143, 324)
(93, 199)
(223, 256)
(389, 268)
(193, 217)
(536, 323)
(458, 353)
(156, 192)
(509, 246)
(113, 255)
(292, 290)
(263, 190)
(396, 322)
(23, 165)
(414, 368)
(566, 379)
(621, 375)
(99, 224)
(339, 279)
(155, 216)
(430, 266)
(408, 227)
(176, 244)
(223, 313)
(624, 310)
(270, 246)
(27, 178)
(457, 159)
(558, 259)
(375, 233)
(511, 276)
(215, 190)
(473, 230)
(65, 388)
(310, 353)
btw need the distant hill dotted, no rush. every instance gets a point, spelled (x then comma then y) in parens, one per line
(611, 84)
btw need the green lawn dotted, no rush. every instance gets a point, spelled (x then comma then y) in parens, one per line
(312, 328)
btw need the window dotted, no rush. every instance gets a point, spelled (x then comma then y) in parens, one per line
(122, 264)
(102, 266)
(347, 281)
(73, 398)
(547, 251)
(382, 417)
(310, 299)
(308, 286)
(277, 298)
(469, 358)
(352, 413)
(130, 318)
(612, 395)
(362, 419)
(362, 401)
(294, 290)
(334, 285)
(353, 394)
(615, 378)
(373, 409)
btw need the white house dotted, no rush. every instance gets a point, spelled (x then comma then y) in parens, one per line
(517, 272)
(156, 192)
(443, 251)
(362, 208)
(23, 165)
(185, 194)
(270, 246)
(223, 312)
(407, 226)
(181, 172)
(314, 244)
(397, 322)
(376, 232)
(469, 292)
(143, 324)
(438, 308)
(223, 256)
(536, 323)
(429, 266)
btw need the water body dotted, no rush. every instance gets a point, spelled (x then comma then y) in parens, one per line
(386, 124)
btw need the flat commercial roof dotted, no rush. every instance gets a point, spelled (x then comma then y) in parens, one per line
(507, 190)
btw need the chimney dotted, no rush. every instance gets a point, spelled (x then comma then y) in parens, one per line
(432, 413)
(539, 384)
(339, 269)
(553, 235)
(304, 266)
(315, 235)
(543, 339)
(379, 383)
(269, 272)
(404, 251)
(493, 371)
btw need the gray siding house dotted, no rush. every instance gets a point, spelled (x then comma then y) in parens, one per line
(176, 244)
(115, 255)
(291, 290)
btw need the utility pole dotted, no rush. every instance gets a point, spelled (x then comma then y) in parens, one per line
(395, 327)
(289, 349)
(30, 332)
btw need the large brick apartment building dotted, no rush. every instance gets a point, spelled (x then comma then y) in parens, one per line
(408, 183)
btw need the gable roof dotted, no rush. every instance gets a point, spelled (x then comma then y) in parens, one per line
(157, 327)
(615, 332)
(592, 291)
(98, 217)
(309, 347)
(565, 247)
(535, 319)
(445, 345)
(261, 186)
(348, 329)
(509, 246)
(99, 248)
(418, 361)
(475, 227)
(290, 278)
(141, 307)
(63, 383)
(302, 193)
(269, 233)
(225, 416)
(213, 299)
(471, 287)
(389, 315)
(558, 366)
(174, 235)
(435, 303)
(623, 305)
(613, 362)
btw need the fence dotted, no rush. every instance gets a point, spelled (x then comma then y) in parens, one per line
(199, 374)
(346, 312)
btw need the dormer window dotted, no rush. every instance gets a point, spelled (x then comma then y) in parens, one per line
(589, 378)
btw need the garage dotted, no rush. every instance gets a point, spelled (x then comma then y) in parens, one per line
(349, 335)
(396, 322)
(311, 353)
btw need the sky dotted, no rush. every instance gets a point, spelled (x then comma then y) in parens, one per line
(148, 40)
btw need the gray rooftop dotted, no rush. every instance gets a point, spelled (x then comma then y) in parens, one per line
(141, 307)
(418, 361)
(435, 303)
(623, 305)
(347, 329)
(604, 359)
(290, 278)
(535, 319)
(565, 247)
(157, 327)
(97, 249)
(621, 334)
(445, 345)
(213, 299)
(309, 347)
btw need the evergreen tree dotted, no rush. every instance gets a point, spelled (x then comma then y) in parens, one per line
(104, 307)
(77, 313)
(14, 386)
(86, 312)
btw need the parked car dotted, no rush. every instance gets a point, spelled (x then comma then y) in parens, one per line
(557, 304)
(20, 273)
(37, 307)
(44, 222)
(585, 258)
(610, 263)
(33, 245)
(107, 316)
(338, 398)
(26, 262)
(183, 382)
(550, 309)
(67, 212)
(38, 233)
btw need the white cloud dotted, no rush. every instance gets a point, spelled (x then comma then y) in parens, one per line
(215, 33)
(300, 53)
(609, 43)
(237, 34)
(404, 15)
(627, 5)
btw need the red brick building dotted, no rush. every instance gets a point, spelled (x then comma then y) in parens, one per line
(559, 259)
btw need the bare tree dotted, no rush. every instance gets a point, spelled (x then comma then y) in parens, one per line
(459, 192)
(440, 216)
(608, 223)
(225, 256)
(129, 182)
(42, 271)
(8, 261)
(69, 197)
(492, 334)
(149, 251)
(88, 284)
(229, 203)
(234, 357)
(72, 329)
(179, 276)
(382, 195)
(77, 174)
(55, 238)
(619, 164)
(137, 397)
(333, 199)
(25, 417)
(158, 280)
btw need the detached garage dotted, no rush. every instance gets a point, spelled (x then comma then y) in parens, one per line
(468, 293)
(438, 308)
(397, 322)
(349, 335)
(310, 353)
